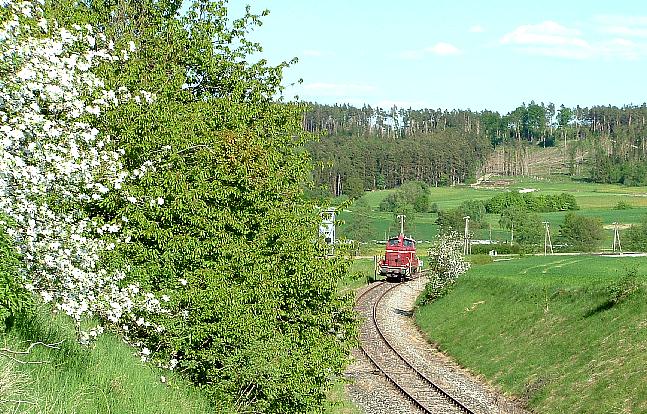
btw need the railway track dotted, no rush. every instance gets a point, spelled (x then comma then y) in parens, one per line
(422, 392)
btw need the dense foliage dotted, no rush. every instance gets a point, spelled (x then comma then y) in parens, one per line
(542, 203)
(526, 227)
(454, 219)
(54, 164)
(581, 233)
(15, 300)
(412, 195)
(190, 198)
(370, 148)
(635, 238)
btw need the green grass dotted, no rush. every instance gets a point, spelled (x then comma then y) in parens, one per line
(360, 271)
(596, 200)
(338, 402)
(105, 378)
(544, 329)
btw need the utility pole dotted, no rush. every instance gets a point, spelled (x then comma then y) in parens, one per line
(547, 242)
(512, 233)
(466, 236)
(401, 218)
(616, 238)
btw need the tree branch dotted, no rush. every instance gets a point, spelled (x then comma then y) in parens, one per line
(8, 353)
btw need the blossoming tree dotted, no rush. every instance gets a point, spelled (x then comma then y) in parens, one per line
(202, 212)
(447, 263)
(54, 163)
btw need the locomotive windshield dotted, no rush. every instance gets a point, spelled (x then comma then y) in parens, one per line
(393, 242)
(408, 243)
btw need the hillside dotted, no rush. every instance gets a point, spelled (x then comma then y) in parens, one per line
(542, 162)
(58, 375)
(565, 334)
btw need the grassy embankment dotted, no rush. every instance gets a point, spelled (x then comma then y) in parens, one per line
(105, 378)
(547, 330)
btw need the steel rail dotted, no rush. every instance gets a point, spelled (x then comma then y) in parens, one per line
(436, 388)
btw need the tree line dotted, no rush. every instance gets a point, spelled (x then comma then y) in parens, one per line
(372, 148)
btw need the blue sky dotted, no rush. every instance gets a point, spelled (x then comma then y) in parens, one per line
(459, 54)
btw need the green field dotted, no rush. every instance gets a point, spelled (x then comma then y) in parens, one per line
(547, 330)
(596, 200)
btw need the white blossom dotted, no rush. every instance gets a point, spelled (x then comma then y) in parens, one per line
(47, 157)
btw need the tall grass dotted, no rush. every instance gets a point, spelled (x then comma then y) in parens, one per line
(550, 331)
(68, 378)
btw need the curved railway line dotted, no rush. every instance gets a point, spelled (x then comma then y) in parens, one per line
(426, 395)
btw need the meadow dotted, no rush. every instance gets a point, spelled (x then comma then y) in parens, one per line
(595, 200)
(561, 333)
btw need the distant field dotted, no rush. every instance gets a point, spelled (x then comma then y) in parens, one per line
(544, 329)
(596, 200)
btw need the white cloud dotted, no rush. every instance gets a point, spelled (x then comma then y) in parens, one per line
(550, 38)
(440, 48)
(477, 28)
(547, 33)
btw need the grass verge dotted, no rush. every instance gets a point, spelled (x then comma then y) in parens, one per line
(564, 334)
(68, 378)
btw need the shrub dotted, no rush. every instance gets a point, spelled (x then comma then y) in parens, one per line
(15, 300)
(528, 228)
(447, 263)
(502, 201)
(528, 201)
(622, 205)
(500, 248)
(624, 287)
(581, 233)
(412, 195)
(635, 238)
(453, 220)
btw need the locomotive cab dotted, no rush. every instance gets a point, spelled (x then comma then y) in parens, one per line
(400, 260)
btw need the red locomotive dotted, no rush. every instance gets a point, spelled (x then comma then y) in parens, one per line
(400, 260)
